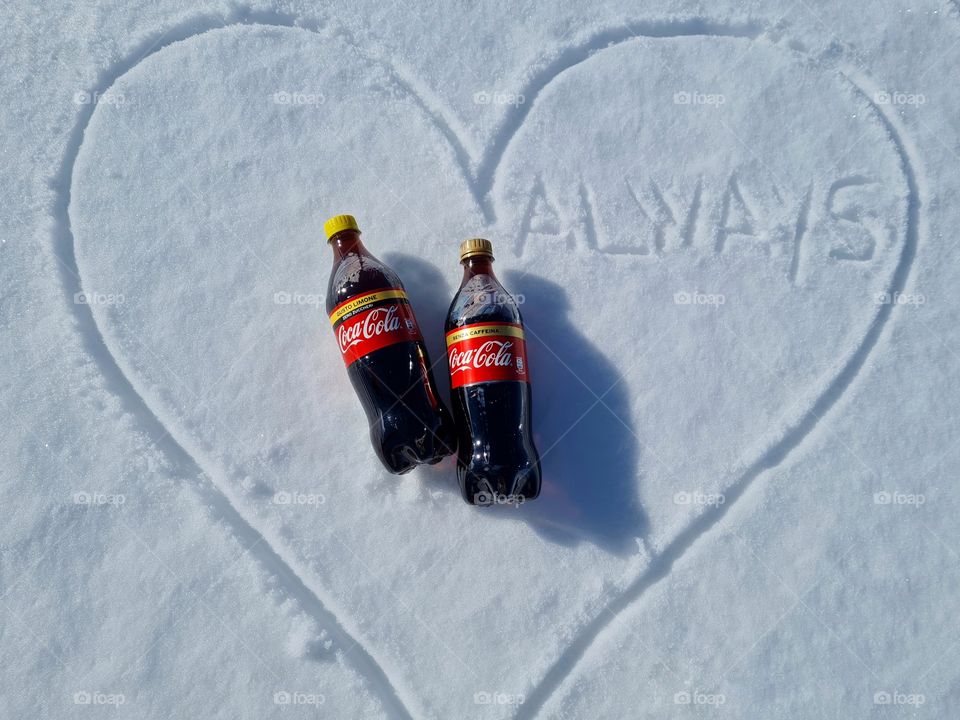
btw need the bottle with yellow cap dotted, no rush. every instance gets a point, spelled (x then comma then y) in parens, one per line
(490, 389)
(386, 359)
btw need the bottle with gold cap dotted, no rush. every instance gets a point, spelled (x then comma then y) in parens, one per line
(492, 399)
(385, 355)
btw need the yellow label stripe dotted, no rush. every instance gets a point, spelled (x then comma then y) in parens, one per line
(364, 300)
(486, 330)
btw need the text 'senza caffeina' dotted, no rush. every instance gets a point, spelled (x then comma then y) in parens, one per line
(487, 352)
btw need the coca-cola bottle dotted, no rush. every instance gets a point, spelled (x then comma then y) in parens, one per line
(490, 386)
(385, 355)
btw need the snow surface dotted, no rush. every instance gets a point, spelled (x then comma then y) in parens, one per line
(730, 227)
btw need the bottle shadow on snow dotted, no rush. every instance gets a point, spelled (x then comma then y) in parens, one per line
(584, 433)
(582, 426)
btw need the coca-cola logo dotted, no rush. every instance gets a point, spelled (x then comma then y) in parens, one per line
(492, 353)
(377, 321)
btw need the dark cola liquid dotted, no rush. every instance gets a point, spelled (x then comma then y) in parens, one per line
(409, 424)
(497, 462)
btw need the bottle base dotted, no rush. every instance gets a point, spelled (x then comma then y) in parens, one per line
(492, 488)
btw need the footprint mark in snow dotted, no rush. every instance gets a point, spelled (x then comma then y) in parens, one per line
(479, 174)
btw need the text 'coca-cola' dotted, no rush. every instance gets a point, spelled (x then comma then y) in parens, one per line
(373, 320)
(487, 352)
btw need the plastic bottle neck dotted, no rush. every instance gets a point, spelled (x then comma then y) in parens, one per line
(346, 242)
(477, 265)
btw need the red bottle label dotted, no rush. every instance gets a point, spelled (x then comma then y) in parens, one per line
(372, 321)
(487, 352)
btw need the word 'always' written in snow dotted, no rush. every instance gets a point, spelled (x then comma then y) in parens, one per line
(845, 219)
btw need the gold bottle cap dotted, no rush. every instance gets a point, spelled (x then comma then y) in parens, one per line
(475, 246)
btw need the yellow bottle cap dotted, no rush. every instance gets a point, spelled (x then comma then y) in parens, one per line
(475, 246)
(338, 223)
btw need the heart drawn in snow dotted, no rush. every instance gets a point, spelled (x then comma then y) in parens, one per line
(706, 232)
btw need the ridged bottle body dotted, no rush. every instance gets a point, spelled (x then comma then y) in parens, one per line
(491, 395)
(387, 361)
